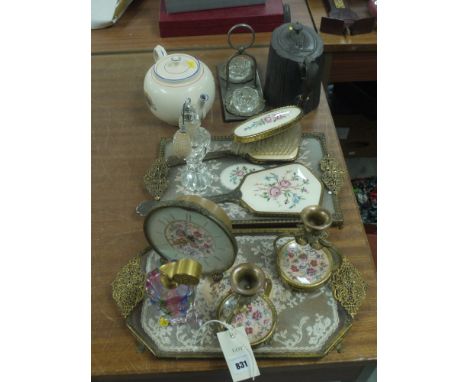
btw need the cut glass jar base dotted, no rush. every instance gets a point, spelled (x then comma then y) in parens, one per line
(196, 181)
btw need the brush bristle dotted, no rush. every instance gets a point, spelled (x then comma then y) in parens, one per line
(280, 144)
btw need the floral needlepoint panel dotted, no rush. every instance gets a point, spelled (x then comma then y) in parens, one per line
(256, 317)
(283, 189)
(287, 190)
(304, 265)
(190, 239)
(232, 176)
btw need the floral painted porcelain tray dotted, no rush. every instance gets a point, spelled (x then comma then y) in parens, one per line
(308, 325)
(228, 173)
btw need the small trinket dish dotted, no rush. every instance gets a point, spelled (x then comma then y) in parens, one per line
(258, 317)
(306, 262)
(303, 267)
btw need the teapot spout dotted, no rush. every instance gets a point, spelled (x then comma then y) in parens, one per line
(203, 100)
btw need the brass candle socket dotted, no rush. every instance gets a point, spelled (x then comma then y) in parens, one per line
(315, 220)
(248, 279)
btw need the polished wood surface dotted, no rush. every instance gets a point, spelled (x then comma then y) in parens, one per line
(125, 139)
(336, 43)
(138, 31)
(347, 58)
(352, 66)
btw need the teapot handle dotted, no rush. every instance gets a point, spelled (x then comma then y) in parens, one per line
(159, 52)
(310, 69)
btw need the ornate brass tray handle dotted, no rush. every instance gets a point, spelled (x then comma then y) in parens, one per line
(348, 287)
(128, 288)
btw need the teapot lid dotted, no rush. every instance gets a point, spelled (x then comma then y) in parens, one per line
(176, 67)
(296, 41)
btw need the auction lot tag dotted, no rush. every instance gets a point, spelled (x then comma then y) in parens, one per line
(238, 354)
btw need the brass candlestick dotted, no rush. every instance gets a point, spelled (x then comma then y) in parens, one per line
(307, 261)
(249, 304)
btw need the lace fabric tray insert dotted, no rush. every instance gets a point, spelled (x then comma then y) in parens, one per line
(309, 324)
(313, 149)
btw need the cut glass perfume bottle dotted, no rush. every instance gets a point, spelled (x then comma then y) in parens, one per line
(195, 176)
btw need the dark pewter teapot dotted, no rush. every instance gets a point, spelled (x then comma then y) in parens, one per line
(295, 65)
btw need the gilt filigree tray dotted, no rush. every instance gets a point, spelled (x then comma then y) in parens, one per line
(309, 324)
(312, 150)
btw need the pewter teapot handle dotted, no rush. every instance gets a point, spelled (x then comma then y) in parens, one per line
(159, 52)
(310, 70)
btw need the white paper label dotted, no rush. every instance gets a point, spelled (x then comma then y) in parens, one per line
(238, 354)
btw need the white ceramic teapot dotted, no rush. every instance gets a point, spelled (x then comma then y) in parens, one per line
(174, 78)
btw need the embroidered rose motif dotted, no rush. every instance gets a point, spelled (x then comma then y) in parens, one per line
(240, 173)
(257, 315)
(190, 239)
(294, 268)
(286, 191)
(285, 183)
(275, 192)
(313, 263)
(248, 330)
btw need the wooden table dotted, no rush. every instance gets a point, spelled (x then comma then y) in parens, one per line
(347, 58)
(138, 31)
(125, 138)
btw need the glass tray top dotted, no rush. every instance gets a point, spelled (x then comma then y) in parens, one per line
(309, 324)
(312, 150)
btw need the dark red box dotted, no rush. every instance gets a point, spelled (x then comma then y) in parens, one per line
(262, 18)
